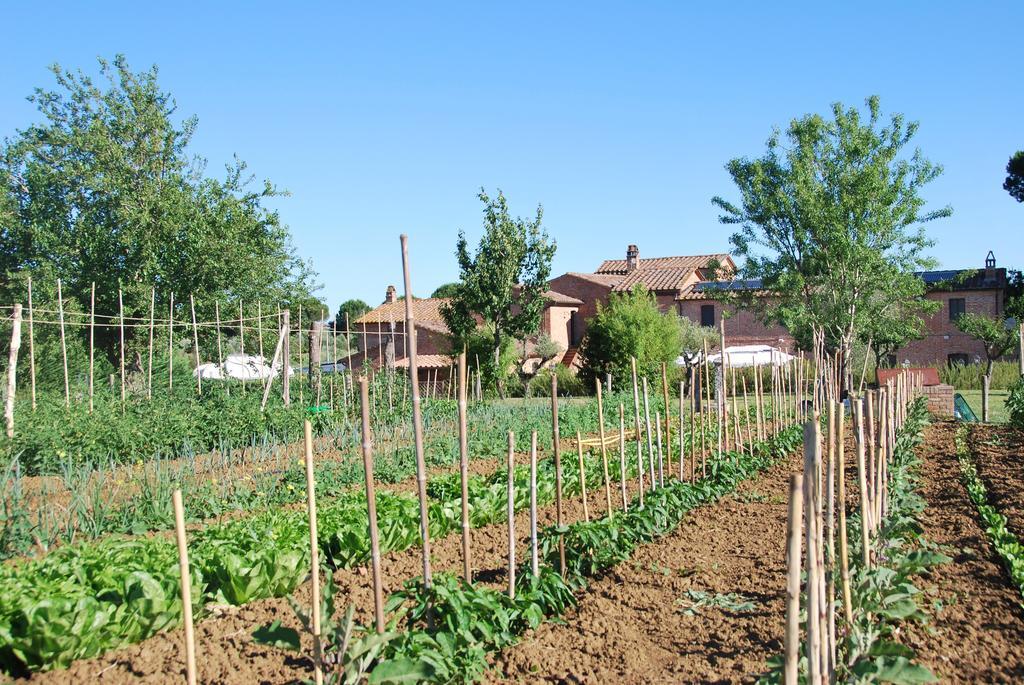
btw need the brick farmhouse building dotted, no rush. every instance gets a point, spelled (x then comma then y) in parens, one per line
(682, 284)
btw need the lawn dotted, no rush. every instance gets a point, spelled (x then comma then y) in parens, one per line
(997, 400)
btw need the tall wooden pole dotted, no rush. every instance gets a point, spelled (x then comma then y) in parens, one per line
(220, 347)
(557, 452)
(31, 346)
(668, 418)
(92, 340)
(152, 325)
(844, 555)
(241, 340)
(467, 566)
(814, 637)
(417, 419)
(314, 552)
(639, 435)
(534, 555)
(186, 589)
(170, 344)
(650, 438)
(286, 355)
(793, 565)
(120, 312)
(63, 345)
(371, 504)
(583, 475)
(12, 370)
(622, 456)
(604, 448)
(195, 343)
(510, 468)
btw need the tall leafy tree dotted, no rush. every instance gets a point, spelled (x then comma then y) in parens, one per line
(103, 189)
(504, 281)
(1014, 183)
(354, 308)
(445, 290)
(831, 219)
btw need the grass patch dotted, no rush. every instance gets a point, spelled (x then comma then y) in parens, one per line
(997, 404)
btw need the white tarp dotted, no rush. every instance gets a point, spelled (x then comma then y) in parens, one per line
(745, 355)
(239, 367)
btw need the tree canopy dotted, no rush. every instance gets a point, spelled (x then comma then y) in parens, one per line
(1014, 183)
(631, 326)
(103, 189)
(445, 290)
(831, 220)
(354, 308)
(504, 281)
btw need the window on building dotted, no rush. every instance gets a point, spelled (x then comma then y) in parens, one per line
(957, 307)
(958, 358)
(707, 315)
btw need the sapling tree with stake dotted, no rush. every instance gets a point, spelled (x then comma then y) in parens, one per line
(831, 220)
(504, 282)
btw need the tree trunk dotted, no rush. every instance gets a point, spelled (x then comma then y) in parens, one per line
(499, 383)
(985, 382)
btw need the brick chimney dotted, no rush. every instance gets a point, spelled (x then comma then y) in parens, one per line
(990, 267)
(391, 295)
(632, 258)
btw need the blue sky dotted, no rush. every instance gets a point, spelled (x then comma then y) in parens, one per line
(618, 118)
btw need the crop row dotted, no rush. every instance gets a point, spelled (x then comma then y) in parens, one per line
(83, 599)
(1006, 544)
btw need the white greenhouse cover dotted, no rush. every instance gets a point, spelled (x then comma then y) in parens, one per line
(745, 355)
(239, 367)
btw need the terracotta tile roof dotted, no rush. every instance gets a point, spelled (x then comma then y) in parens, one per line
(654, 279)
(705, 290)
(618, 266)
(609, 280)
(560, 299)
(426, 361)
(428, 309)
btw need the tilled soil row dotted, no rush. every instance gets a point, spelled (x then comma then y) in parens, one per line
(632, 626)
(977, 626)
(997, 452)
(226, 652)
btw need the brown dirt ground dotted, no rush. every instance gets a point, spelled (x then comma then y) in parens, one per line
(226, 652)
(629, 627)
(977, 630)
(999, 455)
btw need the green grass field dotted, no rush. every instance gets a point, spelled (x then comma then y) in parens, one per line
(997, 398)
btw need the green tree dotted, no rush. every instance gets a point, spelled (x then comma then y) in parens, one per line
(503, 282)
(353, 308)
(831, 220)
(104, 189)
(631, 326)
(998, 334)
(1014, 183)
(445, 290)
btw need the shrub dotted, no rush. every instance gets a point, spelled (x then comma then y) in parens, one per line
(569, 384)
(1015, 404)
(968, 376)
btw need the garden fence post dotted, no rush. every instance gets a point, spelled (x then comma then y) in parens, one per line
(371, 505)
(12, 370)
(314, 553)
(604, 448)
(511, 512)
(793, 557)
(31, 346)
(186, 588)
(464, 468)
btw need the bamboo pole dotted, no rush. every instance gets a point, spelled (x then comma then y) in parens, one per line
(152, 324)
(92, 340)
(650, 438)
(865, 517)
(682, 433)
(534, 556)
(186, 588)
(693, 428)
(63, 345)
(724, 419)
(467, 566)
(510, 467)
(170, 343)
(793, 565)
(705, 386)
(120, 311)
(622, 456)
(31, 346)
(844, 558)
(831, 529)
(583, 475)
(604, 448)
(371, 505)
(314, 552)
(557, 453)
(286, 357)
(12, 370)
(661, 460)
(814, 637)
(639, 438)
(668, 420)
(417, 419)
(195, 343)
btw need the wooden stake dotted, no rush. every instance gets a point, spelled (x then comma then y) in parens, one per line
(583, 475)
(31, 346)
(170, 344)
(814, 637)
(467, 566)
(195, 344)
(639, 435)
(371, 505)
(793, 565)
(417, 419)
(120, 313)
(92, 340)
(314, 551)
(865, 517)
(12, 370)
(682, 433)
(844, 556)
(511, 515)
(668, 421)
(604, 448)
(556, 448)
(186, 588)
(286, 356)
(831, 528)
(534, 556)
(622, 456)
(650, 437)
(661, 459)
(63, 345)
(152, 326)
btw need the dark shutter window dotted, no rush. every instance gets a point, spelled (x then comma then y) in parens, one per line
(957, 307)
(958, 357)
(707, 315)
